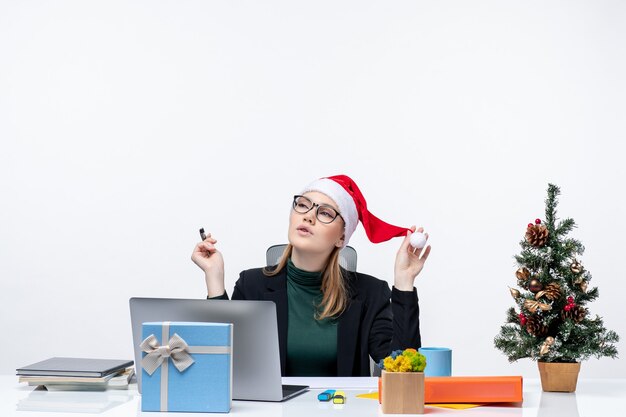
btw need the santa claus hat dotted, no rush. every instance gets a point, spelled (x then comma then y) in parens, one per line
(353, 207)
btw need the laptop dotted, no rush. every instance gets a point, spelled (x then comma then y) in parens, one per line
(256, 358)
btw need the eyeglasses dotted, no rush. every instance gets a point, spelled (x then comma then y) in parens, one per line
(324, 213)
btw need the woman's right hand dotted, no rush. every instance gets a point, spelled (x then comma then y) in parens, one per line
(210, 260)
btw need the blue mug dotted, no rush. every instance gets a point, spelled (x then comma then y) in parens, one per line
(438, 361)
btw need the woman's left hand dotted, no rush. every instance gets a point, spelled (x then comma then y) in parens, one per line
(409, 262)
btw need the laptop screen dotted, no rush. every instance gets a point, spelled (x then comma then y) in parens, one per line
(256, 358)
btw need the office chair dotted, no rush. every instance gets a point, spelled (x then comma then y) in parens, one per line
(347, 256)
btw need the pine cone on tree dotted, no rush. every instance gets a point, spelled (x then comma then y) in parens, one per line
(552, 291)
(537, 235)
(576, 313)
(535, 326)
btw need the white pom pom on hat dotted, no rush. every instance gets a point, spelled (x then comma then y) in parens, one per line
(353, 207)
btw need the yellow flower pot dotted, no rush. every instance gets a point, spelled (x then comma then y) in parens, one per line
(558, 377)
(402, 392)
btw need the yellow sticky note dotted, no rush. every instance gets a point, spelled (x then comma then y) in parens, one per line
(371, 395)
(463, 406)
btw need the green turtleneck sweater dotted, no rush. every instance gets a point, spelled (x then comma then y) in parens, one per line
(311, 343)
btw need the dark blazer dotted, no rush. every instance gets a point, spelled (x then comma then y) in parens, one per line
(370, 325)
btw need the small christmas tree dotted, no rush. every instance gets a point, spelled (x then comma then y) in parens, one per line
(551, 322)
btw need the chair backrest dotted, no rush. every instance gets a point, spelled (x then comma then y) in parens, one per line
(347, 256)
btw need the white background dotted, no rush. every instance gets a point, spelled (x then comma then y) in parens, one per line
(127, 125)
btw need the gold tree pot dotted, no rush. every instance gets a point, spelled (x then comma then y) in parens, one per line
(558, 377)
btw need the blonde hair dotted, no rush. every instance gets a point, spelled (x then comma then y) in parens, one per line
(334, 291)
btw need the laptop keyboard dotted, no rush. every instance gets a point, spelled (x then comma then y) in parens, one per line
(291, 389)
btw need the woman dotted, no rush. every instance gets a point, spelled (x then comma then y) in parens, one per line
(330, 321)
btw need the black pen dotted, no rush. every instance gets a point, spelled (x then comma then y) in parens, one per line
(203, 236)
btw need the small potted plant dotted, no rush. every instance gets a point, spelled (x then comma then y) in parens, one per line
(402, 378)
(551, 322)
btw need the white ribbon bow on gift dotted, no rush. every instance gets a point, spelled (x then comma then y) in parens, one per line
(176, 349)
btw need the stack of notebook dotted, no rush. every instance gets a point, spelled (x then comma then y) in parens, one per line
(78, 374)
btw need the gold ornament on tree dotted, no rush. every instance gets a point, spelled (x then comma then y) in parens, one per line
(514, 293)
(545, 348)
(537, 235)
(576, 267)
(533, 306)
(583, 284)
(522, 275)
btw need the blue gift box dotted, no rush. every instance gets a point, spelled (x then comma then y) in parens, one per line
(186, 367)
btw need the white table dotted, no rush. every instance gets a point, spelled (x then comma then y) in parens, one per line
(593, 398)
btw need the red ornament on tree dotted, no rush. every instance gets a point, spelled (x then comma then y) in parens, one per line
(570, 300)
(537, 221)
(522, 319)
(530, 225)
(567, 307)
